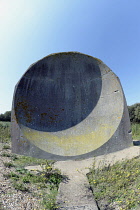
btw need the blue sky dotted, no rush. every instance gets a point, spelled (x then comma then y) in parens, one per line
(106, 29)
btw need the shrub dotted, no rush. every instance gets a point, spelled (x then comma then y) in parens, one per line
(134, 113)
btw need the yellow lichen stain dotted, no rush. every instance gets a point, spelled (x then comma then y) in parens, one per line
(69, 145)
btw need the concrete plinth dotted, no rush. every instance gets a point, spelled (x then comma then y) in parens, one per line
(75, 192)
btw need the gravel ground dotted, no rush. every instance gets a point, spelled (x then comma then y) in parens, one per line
(11, 198)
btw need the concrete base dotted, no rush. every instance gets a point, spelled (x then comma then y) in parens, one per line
(75, 192)
(85, 207)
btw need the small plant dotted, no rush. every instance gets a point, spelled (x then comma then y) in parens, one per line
(21, 170)
(9, 164)
(6, 146)
(6, 155)
(14, 157)
(53, 176)
(49, 201)
(47, 167)
(26, 179)
(39, 179)
(11, 175)
(20, 186)
(55, 179)
(7, 176)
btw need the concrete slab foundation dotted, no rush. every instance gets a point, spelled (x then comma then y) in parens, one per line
(75, 192)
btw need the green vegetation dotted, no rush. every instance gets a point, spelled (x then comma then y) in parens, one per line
(42, 184)
(4, 132)
(6, 146)
(134, 113)
(6, 116)
(23, 161)
(135, 131)
(49, 200)
(20, 186)
(117, 185)
(9, 164)
(42, 179)
(6, 154)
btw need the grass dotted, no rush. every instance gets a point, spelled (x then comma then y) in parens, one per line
(20, 186)
(8, 164)
(117, 185)
(6, 146)
(4, 132)
(45, 182)
(49, 200)
(23, 161)
(6, 154)
(135, 131)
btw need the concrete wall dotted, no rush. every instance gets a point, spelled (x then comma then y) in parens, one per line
(69, 106)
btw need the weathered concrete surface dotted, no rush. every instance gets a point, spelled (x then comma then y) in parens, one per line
(75, 193)
(69, 106)
(99, 161)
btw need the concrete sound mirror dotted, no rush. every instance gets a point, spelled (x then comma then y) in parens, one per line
(69, 106)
